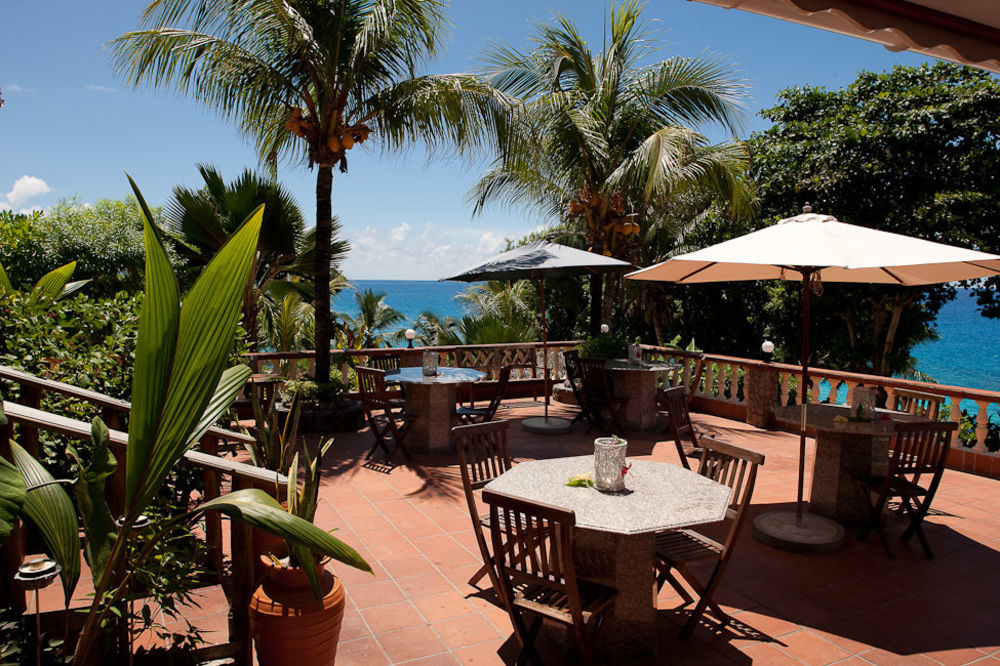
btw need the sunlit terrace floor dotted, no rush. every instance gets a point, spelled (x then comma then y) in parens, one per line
(854, 606)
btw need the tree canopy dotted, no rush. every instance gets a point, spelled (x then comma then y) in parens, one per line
(915, 151)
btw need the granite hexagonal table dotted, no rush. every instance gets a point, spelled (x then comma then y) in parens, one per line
(615, 534)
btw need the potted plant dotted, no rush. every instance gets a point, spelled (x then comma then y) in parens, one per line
(324, 407)
(604, 346)
(297, 611)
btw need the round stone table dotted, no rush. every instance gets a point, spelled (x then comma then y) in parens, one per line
(431, 400)
(843, 450)
(615, 535)
(638, 383)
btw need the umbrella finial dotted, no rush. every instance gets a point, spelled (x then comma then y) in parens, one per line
(807, 208)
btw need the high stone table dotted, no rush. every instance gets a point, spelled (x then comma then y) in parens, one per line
(638, 382)
(615, 534)
(431, 400)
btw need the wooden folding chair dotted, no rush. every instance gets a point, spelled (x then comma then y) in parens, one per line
(384, 422)
(678, 549)
(482, 456)
(386, 362)
(469, 415)
(918, 449)
(571, 360)
(674, 403)
(533, 551)
(917, 402)
(598, 396)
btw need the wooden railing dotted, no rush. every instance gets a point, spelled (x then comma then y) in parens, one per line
(219, 475)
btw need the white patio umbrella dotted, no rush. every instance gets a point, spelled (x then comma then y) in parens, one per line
(818, 248)
(537, 261)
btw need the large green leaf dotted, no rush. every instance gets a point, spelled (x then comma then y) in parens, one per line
(205, 330)
(11, 497)
(98, 523)
(260, 510)
(153, 354)
(230, 384)
(51, 285)
(49, 507)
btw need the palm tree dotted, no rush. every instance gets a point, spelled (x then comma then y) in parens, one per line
(374, 317)
(507, 300)
(310, 79)
(200, 221)
(604, 141)
(482, 329)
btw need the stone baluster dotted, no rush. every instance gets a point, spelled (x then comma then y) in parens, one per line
(850, 391)
(982, 426)
(890, 400)
(784, 389)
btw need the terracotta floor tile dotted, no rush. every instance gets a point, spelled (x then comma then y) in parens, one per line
(391, 617)
(812, 649)
(443, 606)
(353, 626)
(765, 654)
(443, 659)
(424, 585)
(490, 652)
(375, 594)
(360, 652)
(465, 630)
(412, 643)
(403, 567)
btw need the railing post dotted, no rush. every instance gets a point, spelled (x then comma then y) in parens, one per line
(115, 492)
(242, 584)
(760, 386)
(982, 426)
(213, 521)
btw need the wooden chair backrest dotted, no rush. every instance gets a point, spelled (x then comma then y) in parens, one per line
(502, 382)
(917, 402)
(920, 448)
(387, 362)
(371, 385)
(483, 454)
(733, 467)
(594, 378)
(677, 407)
(533, 544)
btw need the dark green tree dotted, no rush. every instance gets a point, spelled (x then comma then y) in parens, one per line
(915, 151)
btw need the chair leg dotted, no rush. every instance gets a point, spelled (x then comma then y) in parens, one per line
(666, 577)
(916, 527)
(481, 573)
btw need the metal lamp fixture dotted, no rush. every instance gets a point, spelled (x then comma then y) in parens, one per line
(410, 334)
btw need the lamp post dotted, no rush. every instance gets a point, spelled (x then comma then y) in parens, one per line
(410, 334)
(768, 349)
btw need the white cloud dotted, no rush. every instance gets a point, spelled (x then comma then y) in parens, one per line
(398, 234)
(428, 252)
(15, 88)
(99, 88)
(25, 187)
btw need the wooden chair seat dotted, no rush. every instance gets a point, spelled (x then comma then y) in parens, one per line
(471, 415)
(554, 604)
(897, 487)
(686, 546)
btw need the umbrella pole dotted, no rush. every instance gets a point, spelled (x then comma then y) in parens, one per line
(804, 387)
(545, 348)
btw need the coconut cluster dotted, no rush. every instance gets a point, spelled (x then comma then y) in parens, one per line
(340, 137)
(607, 219)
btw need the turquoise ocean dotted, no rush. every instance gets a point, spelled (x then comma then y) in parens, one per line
(966, 354)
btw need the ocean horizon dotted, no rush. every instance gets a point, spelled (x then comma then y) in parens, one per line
(966, 353)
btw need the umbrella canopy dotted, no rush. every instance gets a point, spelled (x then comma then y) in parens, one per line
(540, 259)
(814, 248)
(838, 252)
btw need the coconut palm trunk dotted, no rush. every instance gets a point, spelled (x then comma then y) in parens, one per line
(324, 215)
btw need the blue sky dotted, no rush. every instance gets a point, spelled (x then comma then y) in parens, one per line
(69, 127)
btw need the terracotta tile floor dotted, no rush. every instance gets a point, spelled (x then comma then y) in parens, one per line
(855, 606)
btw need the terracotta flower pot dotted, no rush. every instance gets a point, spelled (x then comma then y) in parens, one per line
(288, 626)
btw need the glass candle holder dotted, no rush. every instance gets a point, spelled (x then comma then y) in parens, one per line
(609, 461)
(430, 363)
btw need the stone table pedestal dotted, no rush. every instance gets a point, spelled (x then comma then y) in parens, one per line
(638, 382)
(433, 406)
